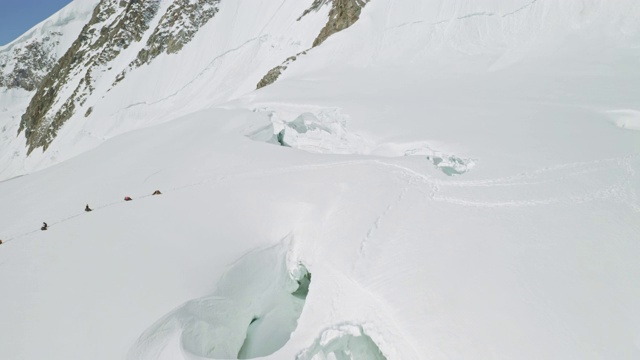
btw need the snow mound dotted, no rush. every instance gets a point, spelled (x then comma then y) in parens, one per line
(344, 342)
(626, 119)
(252, 313)
(451, 164)
(325, 132)
(448, 163)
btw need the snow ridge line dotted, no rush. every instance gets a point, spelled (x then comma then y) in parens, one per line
(520, 9)
(197, 77)
(467, 16)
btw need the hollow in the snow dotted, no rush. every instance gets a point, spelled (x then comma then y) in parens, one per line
(343, 342)
(252, 313)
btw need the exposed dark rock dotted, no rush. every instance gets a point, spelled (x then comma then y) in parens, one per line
(177, 27)
(315, 6)
(275, 73)
(114, 26)
(92, 48)
(271, 76)
(27, 65)
(342, 15)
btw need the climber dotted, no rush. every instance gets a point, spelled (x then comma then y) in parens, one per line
(44, 226)
(157, 192)
(87, 208)
(0, 242)
(126, 198)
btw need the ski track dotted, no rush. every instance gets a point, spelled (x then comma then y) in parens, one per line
(152, 175)
(377, 222)
(619, 191)
(520, 9)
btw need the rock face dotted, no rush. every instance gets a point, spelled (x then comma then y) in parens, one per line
(342, 15)
(177, 27)
(275, 73)
(25, 66)
(120, 37)
(114, 27)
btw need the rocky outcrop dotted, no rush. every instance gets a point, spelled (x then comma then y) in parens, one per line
(177, 27)
(25, 66)
(113, 27)
(342, 15)
(315, 6)
(275, 73)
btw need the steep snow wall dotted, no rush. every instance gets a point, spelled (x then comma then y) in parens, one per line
(252, 312)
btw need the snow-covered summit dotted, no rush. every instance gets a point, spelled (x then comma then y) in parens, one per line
(26, 60)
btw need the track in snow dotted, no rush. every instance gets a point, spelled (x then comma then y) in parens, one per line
(521, 190)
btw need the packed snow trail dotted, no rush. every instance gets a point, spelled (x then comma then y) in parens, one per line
(436, 185)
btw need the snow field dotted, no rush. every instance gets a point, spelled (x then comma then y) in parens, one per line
(116, 242)
(529, 251)
(361, 258)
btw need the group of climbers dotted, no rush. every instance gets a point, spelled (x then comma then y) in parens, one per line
(88, 209)
(45, 226)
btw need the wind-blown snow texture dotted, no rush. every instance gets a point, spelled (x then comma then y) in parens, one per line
(441, 180)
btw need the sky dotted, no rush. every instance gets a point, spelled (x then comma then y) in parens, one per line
(18, 16)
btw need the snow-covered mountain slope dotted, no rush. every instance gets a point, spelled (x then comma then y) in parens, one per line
(23, 65)
(233, 46)
(541, 264)
(439, 180)
(228, 47)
